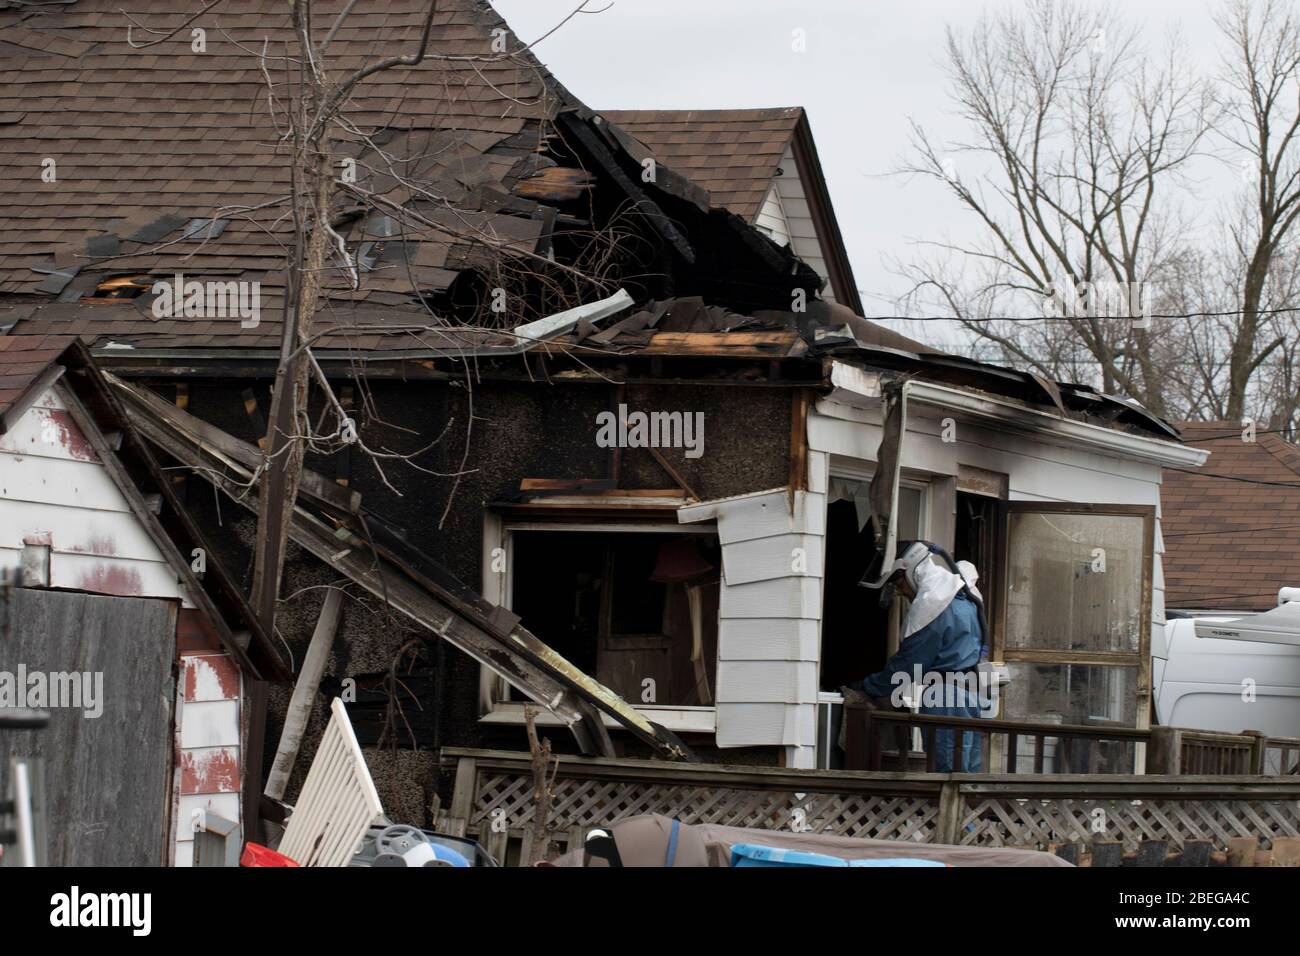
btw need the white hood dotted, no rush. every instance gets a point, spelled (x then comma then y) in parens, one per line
(936, 587)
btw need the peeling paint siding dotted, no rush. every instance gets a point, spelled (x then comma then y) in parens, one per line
(56, 488)
(209, 769)
(47, 431)
(75, 530)
(52, 487)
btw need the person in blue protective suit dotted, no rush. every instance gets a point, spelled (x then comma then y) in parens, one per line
(942, 637)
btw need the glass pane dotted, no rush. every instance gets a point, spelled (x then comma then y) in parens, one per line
(909, 513)
(1073, 694)
(1074, 581)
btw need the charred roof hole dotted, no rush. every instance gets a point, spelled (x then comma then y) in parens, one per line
(129, 286)
(464, 301)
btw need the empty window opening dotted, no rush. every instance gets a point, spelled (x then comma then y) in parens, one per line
(636, 610)
(855, 629)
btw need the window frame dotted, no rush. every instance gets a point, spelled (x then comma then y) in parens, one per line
(494, 705)
(1141, 658)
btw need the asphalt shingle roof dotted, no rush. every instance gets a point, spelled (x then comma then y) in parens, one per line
(22, 360)
(734, 154)
(1230, 544)
(144, 141)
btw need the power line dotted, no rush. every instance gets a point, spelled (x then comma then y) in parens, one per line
(1248, 481)
(1065, 318)
(1195, 534)
(1236, 434)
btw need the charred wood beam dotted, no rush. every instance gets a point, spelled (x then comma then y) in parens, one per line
(496, 641)
(315, 488)
(605, 158)
(215, 595)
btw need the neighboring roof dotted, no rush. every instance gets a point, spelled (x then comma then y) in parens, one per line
(96, 413)
(734, 154)
(1230, 542)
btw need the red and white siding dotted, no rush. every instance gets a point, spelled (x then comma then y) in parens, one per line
(54, 492)
(207, 738)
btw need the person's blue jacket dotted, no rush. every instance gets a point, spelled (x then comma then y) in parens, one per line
(949, 643)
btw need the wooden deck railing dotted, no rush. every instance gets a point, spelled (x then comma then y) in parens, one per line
(883, 740)
(1100, 814)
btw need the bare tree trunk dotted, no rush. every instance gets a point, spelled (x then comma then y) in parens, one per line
(539, 835)
(284, 452)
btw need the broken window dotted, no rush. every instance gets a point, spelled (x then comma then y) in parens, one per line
(1075, 614)
(857, 635)
(975, 539)
(637, 610)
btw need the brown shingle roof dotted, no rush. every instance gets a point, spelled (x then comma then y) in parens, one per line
(1229, 543)
(23, 358)
(734, 154)
(137, 135)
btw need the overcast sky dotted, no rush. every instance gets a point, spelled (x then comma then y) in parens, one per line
(869, 66)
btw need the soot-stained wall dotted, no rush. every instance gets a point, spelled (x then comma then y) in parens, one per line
(477, 444)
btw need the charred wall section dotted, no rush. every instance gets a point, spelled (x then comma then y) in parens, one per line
(479, 442)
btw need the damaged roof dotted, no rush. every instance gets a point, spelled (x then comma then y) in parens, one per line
(136, 164)
(148, 148)
(122, 165)
(756, 163)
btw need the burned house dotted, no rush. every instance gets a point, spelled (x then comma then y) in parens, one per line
(615, 429)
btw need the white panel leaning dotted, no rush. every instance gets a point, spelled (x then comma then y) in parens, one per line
(338, 802)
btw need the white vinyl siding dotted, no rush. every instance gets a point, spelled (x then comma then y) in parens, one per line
(797, 219)
(769, 617)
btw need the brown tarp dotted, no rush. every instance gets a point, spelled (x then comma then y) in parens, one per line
(643, 841)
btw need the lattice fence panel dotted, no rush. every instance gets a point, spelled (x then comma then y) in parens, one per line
(586, 803)
(1034, 822)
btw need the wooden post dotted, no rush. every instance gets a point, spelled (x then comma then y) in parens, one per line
(462, 796)
(861, 746)
(304, 694)
(538, 844)
(948, 824)
(1258, 745)
(1164, 751)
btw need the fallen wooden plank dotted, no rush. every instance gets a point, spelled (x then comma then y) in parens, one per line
(729, 344)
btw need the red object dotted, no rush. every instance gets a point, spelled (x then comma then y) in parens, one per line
(257, 855)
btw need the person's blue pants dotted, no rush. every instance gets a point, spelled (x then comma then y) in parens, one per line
(972, 759)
